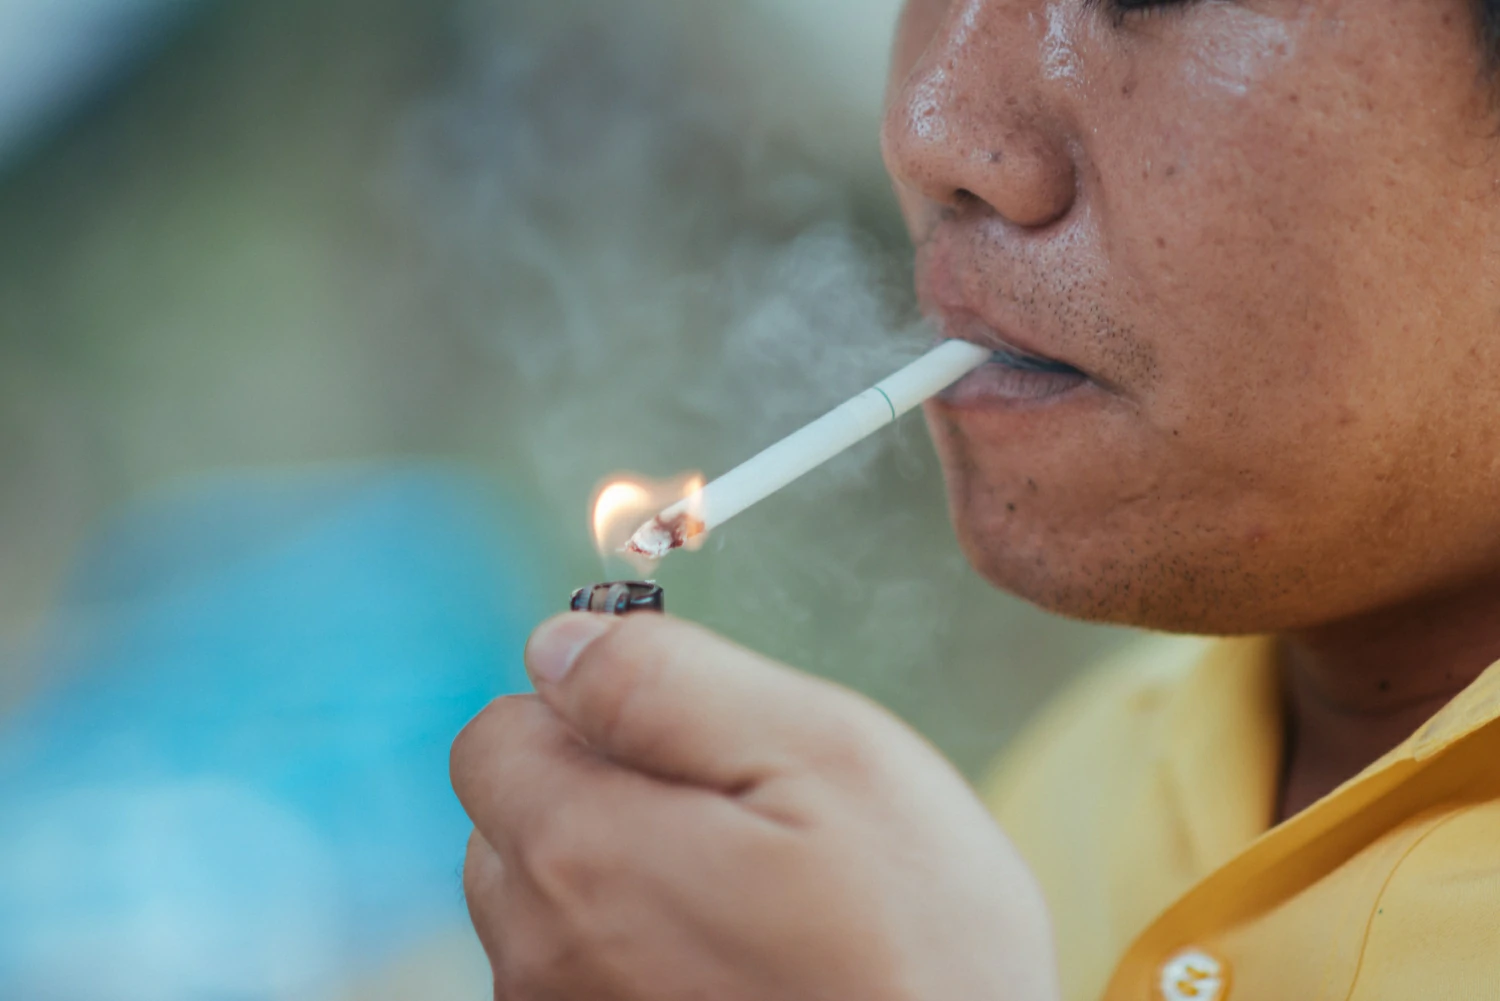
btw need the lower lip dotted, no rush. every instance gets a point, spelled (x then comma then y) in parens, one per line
(1000, 384)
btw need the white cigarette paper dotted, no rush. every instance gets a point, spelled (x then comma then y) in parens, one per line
(805, 450)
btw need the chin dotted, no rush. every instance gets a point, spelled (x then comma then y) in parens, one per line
(1125, 579)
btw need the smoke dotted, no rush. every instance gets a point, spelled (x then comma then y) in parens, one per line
(661, 281)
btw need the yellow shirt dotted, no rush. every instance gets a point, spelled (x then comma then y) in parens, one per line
(1144, 801)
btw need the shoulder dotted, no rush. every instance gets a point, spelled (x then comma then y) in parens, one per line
(1436, 929)
(1105, 721)
(1080, 795)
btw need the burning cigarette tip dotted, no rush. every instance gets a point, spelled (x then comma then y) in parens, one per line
(659, 536)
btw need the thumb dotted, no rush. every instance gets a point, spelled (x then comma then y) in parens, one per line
(671, 699)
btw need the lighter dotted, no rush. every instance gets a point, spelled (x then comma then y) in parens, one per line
(620, 598)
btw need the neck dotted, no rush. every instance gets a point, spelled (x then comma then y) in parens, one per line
(1357, 688)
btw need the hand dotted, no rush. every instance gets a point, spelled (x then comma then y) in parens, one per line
(674, 817)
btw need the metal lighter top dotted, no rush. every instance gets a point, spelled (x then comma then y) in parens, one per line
(620, 598)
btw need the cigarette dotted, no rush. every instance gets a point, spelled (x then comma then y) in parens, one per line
(805, 450)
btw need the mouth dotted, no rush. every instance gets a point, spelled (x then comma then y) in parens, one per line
(1012, 375)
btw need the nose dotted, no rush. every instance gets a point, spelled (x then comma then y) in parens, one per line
(977, 120)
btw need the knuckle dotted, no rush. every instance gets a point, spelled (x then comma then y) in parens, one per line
(779, 853)
(476, 740)
(467, 746)
(567, 861)
(482, 752)
(848, 750)
(541, 971)
(482, 871)
(535, 961)
(533, 952)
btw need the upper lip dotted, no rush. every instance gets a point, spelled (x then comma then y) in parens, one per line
(963, 323)
(947, 299)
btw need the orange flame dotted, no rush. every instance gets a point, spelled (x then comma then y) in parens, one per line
(619, 498)
(693, 493)
(624, 503)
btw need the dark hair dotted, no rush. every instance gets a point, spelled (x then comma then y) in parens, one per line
(1489, 26)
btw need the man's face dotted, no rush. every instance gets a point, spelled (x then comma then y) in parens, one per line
(1265, 233)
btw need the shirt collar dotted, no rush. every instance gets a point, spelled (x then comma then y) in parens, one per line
(1223, 748)
(1473, 708)
(1224, 736)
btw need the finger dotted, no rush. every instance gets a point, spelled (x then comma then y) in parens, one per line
(484, 874)
(565, 822)
(514, 928)
(526, 780)
(503, 761)
(678, 702)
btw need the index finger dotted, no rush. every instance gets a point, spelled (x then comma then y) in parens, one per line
(672, 699)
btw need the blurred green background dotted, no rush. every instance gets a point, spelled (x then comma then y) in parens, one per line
(535, 242)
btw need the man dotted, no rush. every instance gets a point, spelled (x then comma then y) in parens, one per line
(1241, 258)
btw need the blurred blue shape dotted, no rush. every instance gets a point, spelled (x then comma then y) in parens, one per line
(237, 788)
(54, 54)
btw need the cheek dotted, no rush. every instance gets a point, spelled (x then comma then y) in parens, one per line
(1280, 197)
(1231, 243)
(1026, 492)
